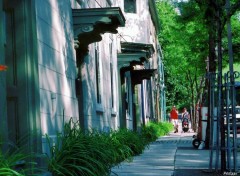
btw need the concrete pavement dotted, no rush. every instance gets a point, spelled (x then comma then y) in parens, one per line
(171, 155)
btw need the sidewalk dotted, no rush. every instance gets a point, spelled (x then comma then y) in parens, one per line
(171, 155)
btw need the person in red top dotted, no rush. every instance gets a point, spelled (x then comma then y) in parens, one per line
(174, 118)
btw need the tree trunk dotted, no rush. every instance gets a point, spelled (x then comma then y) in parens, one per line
(211, 64)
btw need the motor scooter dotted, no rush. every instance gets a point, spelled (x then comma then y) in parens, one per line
(185, 124)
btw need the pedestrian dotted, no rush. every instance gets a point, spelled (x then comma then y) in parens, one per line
(174, 118)
(185, 120)
(185, 114)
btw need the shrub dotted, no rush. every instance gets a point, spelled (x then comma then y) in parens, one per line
(90, 153)
(77, 153)
(154, 130)
(15, 161)
(95, 153)
(85, 153)
(131, 139)
(149, 133)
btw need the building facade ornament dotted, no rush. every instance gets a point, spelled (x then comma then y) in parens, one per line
(90, 24)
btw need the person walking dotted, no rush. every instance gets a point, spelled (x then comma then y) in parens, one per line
(174, 118)
(185, 120)
(185, 114)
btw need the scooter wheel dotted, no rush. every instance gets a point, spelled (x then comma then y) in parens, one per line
(196, 143)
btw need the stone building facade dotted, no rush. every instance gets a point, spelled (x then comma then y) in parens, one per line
(96, 61)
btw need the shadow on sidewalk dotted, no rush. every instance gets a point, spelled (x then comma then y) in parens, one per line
(198, 172)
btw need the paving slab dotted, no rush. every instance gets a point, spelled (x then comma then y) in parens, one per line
(170, 155)
(195, 172)
(145, 173)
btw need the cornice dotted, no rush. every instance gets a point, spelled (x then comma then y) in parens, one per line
(89, 24)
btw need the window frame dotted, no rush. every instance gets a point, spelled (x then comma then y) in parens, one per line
(128, 4)
(98, 73)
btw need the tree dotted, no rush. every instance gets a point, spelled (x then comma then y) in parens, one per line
(215, 16)
(183, 43)
(191, 31)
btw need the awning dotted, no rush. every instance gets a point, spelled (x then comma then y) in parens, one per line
(90, 23)
(130, 47)
(134, 53)
(138, 75)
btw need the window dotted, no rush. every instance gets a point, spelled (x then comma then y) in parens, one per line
(128, 92)
(130, 6)
(98, 74)
(111, 71)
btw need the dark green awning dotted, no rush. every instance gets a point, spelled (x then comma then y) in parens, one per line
(138, 75)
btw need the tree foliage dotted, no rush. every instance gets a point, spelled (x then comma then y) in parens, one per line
(194, 31)
(183, 39)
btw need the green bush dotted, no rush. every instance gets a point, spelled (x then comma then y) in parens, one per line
(149, 133)
(154, 130)
(90, 153)
(131, 139)
(87, 153)
(77, 153)
(94, 153)
(15, 161)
